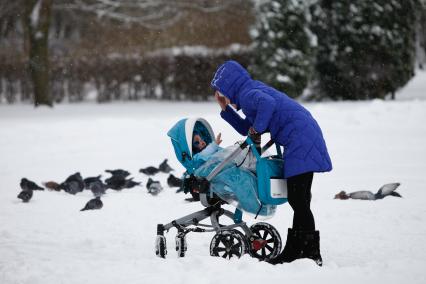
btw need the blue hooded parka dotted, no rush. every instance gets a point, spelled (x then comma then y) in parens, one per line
(268, 110)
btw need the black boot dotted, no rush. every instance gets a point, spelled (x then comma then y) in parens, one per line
(309, 245)
(290, 251)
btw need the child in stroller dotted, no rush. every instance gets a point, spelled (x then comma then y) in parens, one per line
(210, 178)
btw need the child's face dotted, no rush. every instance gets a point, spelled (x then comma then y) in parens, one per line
(198, 142)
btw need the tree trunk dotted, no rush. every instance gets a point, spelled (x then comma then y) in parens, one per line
(36, 22)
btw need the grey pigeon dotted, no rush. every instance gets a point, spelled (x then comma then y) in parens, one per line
(29, 185)
(164, 167)
(154, 187)
(118, 172)
(150, 171)
(89, 180)
(95, 203)
(25, 195)
(388, 189)
(97, 187)
(385, 190)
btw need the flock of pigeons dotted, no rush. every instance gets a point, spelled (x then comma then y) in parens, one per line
(118, 180)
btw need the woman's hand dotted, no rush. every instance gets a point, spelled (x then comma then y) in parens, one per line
(221, 100)
(252, 130)
(218, 140)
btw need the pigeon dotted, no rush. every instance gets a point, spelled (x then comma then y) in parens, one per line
(73, 184)
(29, 185)
(52, 185)
(89, 180)
(25, 195)
(173, 181)
(164, 167)
(385, 190)
(388, 189)
(363, 194)
(95, 203)
(154, 187)
(97, 187)
(116, 182)
(191, 199)
(150, 171)
(131, 183)
(118, 172)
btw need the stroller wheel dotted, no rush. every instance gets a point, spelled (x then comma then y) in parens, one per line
(265, 243)
(228, 244)
(181, 246)
(245, 240)
(160, 246)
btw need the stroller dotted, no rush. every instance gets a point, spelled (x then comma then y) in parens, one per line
(261, 240)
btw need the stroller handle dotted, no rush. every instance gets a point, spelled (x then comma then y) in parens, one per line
(247, 142)
(231, 157)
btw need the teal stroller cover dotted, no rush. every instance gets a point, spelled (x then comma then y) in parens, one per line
(236, 183)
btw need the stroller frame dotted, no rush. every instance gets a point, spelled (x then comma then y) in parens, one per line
(254, 240)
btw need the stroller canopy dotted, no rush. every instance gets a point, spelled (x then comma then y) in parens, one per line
(181, 135)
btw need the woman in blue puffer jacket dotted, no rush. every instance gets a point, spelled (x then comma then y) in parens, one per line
(290, 125)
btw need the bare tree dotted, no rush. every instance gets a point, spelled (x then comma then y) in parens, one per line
(36, 23)
(36, 18)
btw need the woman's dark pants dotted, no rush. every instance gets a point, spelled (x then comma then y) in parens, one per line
(299, 198)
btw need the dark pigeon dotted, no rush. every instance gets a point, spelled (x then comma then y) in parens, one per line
(116, 182)
(25, 195)
(385, 190)
(154, 187)
(164, 167)
(52, 185)
(191, 199)
(89, 180)
(150, 171)
(73, 184)
(75, 177)
(29, 185)
(131, 183)
(118, 172)
(173, 181)
(95, 203)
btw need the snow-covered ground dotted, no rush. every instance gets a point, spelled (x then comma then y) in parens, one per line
(49, 240)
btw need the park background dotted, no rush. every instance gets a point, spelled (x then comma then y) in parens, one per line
(90, 85)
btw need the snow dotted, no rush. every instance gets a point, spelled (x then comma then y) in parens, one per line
(283, 78)
(198, 50)
(415, 89)
(49, 240)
